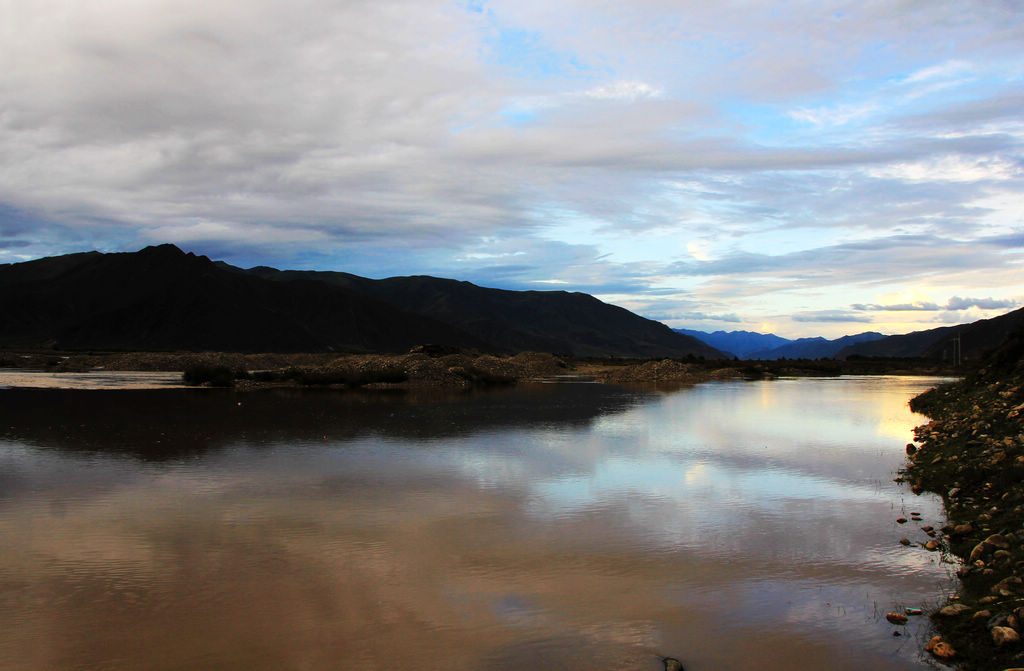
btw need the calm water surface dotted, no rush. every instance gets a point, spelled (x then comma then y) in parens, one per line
(732, 525)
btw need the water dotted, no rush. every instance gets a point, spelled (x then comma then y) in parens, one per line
(568, 526)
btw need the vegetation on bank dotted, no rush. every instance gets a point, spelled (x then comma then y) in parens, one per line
(972, 455)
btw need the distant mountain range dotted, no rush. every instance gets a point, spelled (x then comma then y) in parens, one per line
(964, 342)
(161, 298)
(750, 345)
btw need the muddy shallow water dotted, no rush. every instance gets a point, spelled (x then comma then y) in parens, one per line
(562, 526)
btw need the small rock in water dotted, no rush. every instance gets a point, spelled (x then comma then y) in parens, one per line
(940, 648)
(912, 611)
(901, 520)
(931, 546)
(896, 618)
(673, 664)
(904, 541)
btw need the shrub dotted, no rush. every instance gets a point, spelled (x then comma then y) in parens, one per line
(214, 376)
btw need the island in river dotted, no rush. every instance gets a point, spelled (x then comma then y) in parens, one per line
(446, 367)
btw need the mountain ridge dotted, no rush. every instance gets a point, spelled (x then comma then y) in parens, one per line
(161, 298)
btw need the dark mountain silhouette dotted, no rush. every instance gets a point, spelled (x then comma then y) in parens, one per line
(513, 321)
(975, 339)
(161, 298)
(749, 345)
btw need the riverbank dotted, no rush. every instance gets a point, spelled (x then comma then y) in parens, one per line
(426, 367)
(972, 455)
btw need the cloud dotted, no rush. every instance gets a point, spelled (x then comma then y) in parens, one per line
(958, 303)
(830, 316)
(897, 307)
(721, 151)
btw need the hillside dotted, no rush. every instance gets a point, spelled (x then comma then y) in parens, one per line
(161, 298)
(514, 321)
(975, 339)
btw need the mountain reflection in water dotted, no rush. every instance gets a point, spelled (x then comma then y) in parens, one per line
(559, 526)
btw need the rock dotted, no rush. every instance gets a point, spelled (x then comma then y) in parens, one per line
(963, 529)
(932, 546)
(926, 528)
(901, 520)
(896, 618)
(904, 541)
(943, 650)
(998, 540)
(1004, 636)
(953, 609)
(912, 611)
(981, 615)
(911, 448)
(979, 551)
(673, 664)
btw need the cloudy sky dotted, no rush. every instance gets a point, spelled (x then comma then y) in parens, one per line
(808, 168)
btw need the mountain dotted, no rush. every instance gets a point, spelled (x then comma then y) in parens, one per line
(749, 345)
(161, 298)
(514, 321)
(740, 343)
(815, 348)
(975, 339)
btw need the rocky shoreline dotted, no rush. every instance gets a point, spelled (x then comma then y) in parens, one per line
(972, 455)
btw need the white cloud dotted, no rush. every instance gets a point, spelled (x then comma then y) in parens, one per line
(951, 168)
(731, 141)
(623, 90)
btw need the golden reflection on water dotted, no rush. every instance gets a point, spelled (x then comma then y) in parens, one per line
(661, 525)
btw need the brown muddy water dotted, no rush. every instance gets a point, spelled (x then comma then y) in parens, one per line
(566, 526)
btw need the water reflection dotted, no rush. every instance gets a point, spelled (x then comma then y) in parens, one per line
(573, 526)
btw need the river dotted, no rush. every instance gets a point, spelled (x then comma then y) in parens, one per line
(732, 525)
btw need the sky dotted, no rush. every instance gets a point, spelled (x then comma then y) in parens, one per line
(805, 168)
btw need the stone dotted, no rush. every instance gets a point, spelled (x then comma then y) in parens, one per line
(901, 520)
(962, 529)
(981, 615)
(943, 650)
(896, 618)
(926, 528)
(673, 664)
(998, 540)
(953, 609)
(979, 551)
(904, 541)
(911, 448)
(1004, 636)
(932, 546)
